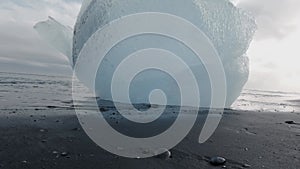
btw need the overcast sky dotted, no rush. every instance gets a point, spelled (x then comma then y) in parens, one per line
(274, 53)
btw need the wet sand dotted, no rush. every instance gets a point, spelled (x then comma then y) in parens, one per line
(39, 130)
(53, 138)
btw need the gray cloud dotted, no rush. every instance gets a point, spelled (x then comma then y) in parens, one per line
(275, 18)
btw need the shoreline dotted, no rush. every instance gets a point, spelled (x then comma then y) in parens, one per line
(258, 139)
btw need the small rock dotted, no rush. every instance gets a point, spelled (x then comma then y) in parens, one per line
(51, 107)
(102, 109)
(246, 165)
(54, 152)
(246, 149)
(44, 141)
(164, 156)
(64, 154)
(216, 161)
(24, 162)
(76, 129)
(290, 122)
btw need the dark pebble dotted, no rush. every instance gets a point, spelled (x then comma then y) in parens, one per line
(216, 161)
(102, 109)
(164, 156)
(290, 122)
(64, 154)
(246, 165)
(76, 129)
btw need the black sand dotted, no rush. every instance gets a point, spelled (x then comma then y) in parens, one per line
(31, 139)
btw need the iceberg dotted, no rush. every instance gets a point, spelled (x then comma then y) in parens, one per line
(229, 29)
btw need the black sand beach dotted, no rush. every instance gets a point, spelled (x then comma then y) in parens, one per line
(39, 130)
(245, 139)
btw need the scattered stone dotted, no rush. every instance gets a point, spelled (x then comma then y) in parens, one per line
(76, 129)
(246, 165)
(24, 162)
(246, 149)
(217, 161)
(290, 122)
(43, 130)
(102, 109)
(164, 156)
(64, 154)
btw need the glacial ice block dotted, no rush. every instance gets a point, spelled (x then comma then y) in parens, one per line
(229, 29)
(57, 35)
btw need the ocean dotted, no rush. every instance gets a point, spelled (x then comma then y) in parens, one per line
(30, 91)
(39, 129)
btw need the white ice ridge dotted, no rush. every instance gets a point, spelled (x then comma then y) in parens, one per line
(58, 35)
(230, 30)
